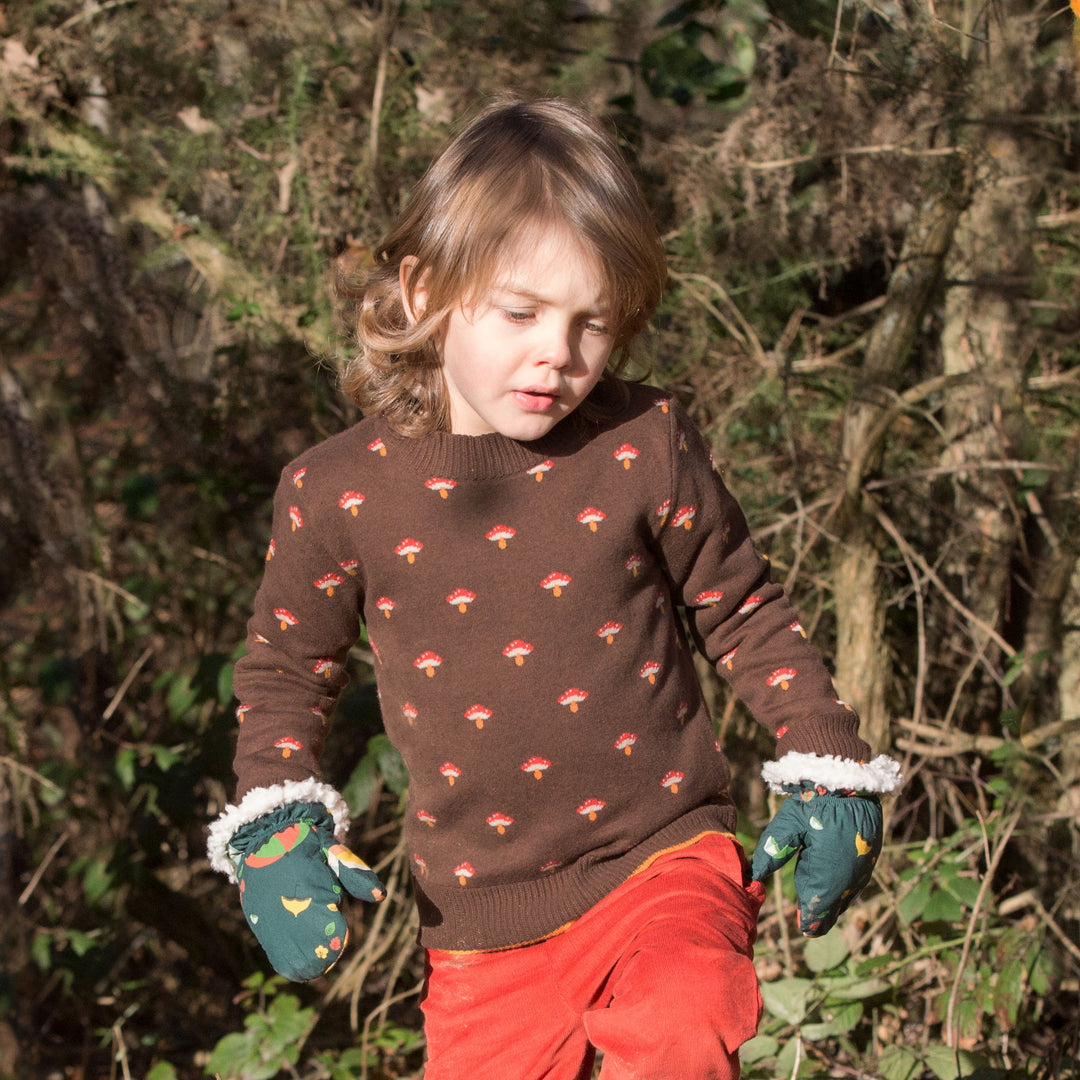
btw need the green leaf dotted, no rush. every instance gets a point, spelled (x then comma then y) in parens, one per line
(852, 988)
(942, 907)
(41, 950)
(826, 952)
(835, 1020)
(966, 890)
(125, 767)
(898, 1063)
(912, 904)
(946, 1065)
(786, 998)
(759, 1048)
(161, 1070)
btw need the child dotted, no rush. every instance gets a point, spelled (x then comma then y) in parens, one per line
(518, 528)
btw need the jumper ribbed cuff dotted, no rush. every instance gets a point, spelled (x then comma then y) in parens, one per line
(263, 800)
(879, 776)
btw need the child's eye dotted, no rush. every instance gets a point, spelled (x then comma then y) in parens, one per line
(595, 327)
(515, 316)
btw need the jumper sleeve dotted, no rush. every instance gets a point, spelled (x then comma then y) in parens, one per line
(739, 617)
(305, 620)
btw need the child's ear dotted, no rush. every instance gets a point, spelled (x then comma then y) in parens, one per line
(415, 304)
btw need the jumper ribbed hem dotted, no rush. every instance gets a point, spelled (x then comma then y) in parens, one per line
(485, 918)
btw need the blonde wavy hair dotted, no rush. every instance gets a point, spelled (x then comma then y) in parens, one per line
(519, 165)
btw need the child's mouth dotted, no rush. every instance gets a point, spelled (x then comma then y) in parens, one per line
(535, 400)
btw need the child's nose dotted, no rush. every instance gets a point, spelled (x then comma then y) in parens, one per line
(558, 348)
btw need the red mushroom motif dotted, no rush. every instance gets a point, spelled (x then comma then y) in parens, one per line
(626, 454)
(608, 631)
(781, 677)
(797, 628)
(285, 617)
(708, 598)
(241, 711)
(350, 566)
(684, 516)
(410, 548)
(556, 582)
(663, 510)
(553, 864)
(296, 518)
(517, 650)
(298, 477)
(591, 807)
(625, 742)
(661, 404)
(377, 447)
(478, 714)
(351, 501)
(271, 549)
(728, 657)
(844, 703)
(592, 517)
(419, 863)
(500, 822)
(428, 662)
(464, 871)
(450, 771)
(573, 697)
(461, 599)
(500, 534)
(408, 710)
(328, 583)
(749, 604)
(672, 780)
(649, 670)
(633, 563)
(539, 470)
(385, 605)
(441, 485)
(537, 766)
(323, 666)
(682, 711)
(287, 745)
(427, 818)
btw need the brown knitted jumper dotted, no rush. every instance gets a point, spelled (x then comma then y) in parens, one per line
(521, 603)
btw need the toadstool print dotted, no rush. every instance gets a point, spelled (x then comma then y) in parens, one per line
(749, 604)
(500, 822)
(317, 712)
(298, 477)
(271, 549)
(450, 771)
(552, 864)
(661, 404)
(797, 628)
(426, 817)
(649, 670)
(323, 666)
(782, 730)
(844, 703)
(461, 599)
(672, 780)
(663, 510)
(591, 807)
(592, 517)
(625, 742)
(285, 617)
(385, 605)
(287, 745)
(517, 650)
(350, 566)
(464, 871)
(633, 564)
(441, 485)
(296, 518)
(410, 548)
(539, 470)
(419, 863)
(573, 697)
(684, 516)
(377, 447)
(556, 582)
(351, 501)
(328, 583)
(241, 711)
(708, 598)
(427, 662)
(262, 640)
(608, 631)
(728, 657)
(478, 714)
(500, 535)
(408, 710)
(781, 677)
(682, 712)
(626, 454)
(537, 766)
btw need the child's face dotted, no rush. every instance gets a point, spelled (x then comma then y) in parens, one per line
(524, 355)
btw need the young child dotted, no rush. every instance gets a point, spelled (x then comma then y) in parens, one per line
(519, 528)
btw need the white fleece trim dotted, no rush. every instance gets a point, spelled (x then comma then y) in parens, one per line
(881, 775)
(264, 800)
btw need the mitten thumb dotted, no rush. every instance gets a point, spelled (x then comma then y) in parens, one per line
(357, 878)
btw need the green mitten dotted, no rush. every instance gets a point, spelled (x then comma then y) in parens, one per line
(291, 875)
(836, 839)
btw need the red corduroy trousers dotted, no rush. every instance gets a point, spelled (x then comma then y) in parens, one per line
(659, 976)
